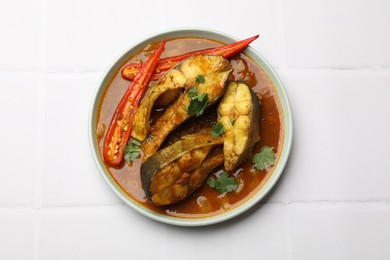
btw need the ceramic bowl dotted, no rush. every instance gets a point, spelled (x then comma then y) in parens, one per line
(204, 33)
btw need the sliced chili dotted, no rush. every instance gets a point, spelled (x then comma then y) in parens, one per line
(120, 129)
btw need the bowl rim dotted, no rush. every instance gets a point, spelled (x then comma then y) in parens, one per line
(202, 221)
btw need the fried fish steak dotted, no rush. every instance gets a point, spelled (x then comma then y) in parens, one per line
(179, 179)
(173, 173)
(214, 70)
(239, 113)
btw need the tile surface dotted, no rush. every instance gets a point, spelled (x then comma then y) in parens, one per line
(16, 234)
(332, 201)
(19, 110)
(264, 229)
(341, 142)
(341, 34)
(70, 176)
(216, 16)
(20, 27)
(340, 232)
(114, 232)
(89, 35)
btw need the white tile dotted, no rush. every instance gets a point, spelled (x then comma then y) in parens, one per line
(337, 33)
(89, 35)
(340, 232)
(114, 232)
(20, 34)
(261, 234)
(341, 138)
(250, 18)
(16, 234)
(70, 176)
(19, 108)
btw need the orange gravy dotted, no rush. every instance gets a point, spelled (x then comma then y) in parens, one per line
(205, 201)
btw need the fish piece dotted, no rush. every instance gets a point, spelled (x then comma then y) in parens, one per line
(215, 70)
(239, 113)
(170, 169)
(179, 179)
(171, 81)
(181, 76)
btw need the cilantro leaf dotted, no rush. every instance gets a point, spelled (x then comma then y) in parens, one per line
(135, 142)
(200, 79)
(264, 159)
(232, 121)
(212, 182)
(217, 129)
(132, 150)
(193, 93)
(203, 99)
(198, 103)
(193, 107)
(224, 183)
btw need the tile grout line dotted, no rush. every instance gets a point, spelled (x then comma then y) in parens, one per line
(41, 134)
(283, 67)
(282, 53)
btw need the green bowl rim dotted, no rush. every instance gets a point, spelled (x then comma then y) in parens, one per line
(203, 221)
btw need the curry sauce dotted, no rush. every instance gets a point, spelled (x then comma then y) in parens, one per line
(205, 201)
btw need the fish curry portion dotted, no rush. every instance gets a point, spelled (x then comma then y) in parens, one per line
(203, 127)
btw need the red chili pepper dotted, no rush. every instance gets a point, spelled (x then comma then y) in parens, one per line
(120, 129)
(130, 71)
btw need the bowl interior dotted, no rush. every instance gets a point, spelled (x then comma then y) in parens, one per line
(204, 33)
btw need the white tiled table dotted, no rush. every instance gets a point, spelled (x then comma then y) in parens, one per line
(333, 199)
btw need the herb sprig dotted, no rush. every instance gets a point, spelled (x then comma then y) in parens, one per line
(132, 150)
(224, 183)
(200, 79)
(217, 129)
(198, 102)
(264, 159)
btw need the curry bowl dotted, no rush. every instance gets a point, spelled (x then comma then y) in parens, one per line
(238, 168)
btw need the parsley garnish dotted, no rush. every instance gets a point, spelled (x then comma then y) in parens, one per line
(200, 79)
(198, 102)
(131, 150)
(224, 183)
(232, 121)
(264, 159)
(217, 129)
